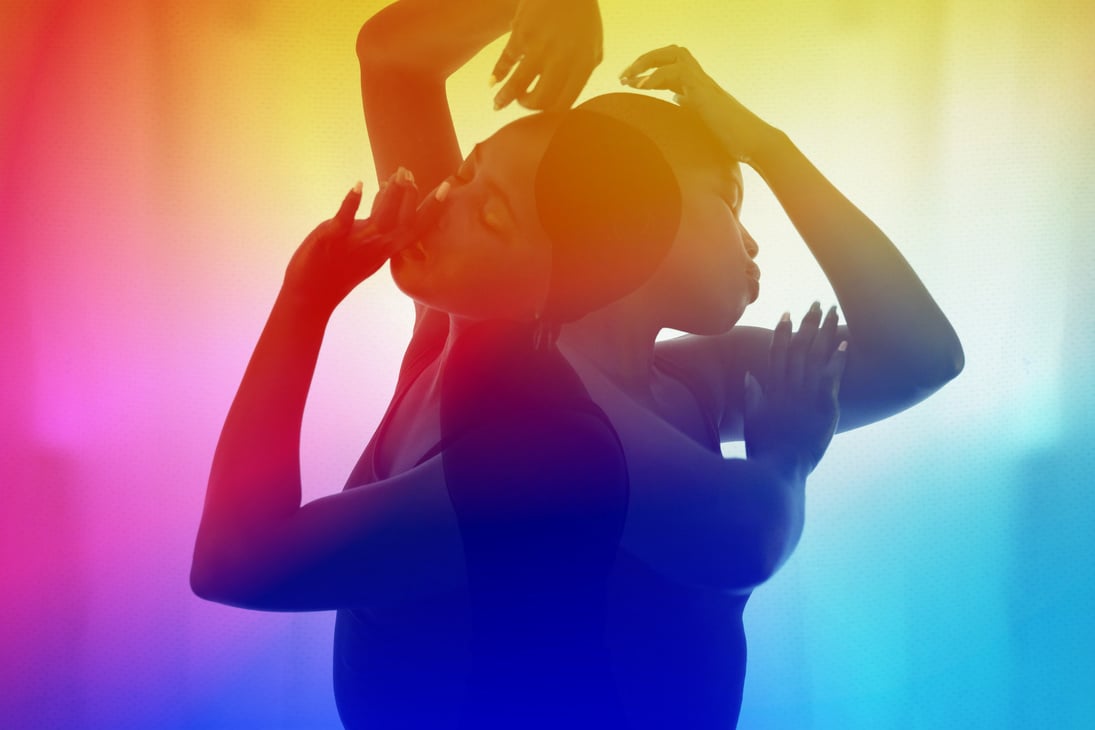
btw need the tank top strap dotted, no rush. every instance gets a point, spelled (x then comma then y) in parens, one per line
(365, 472)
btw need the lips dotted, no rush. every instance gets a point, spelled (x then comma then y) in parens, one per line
(753, 275)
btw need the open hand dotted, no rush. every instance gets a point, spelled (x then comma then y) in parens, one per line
(792, 418)
(343, 252)
(673, 68)
(557, 40)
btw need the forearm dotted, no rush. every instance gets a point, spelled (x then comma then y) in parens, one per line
(431, 39)
(892, 320)
(406, 52)
(255, 478)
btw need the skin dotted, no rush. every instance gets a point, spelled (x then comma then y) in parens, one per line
(487, 255)
(734, 522)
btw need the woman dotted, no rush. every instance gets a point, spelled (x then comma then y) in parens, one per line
(471, 584)
(700, 532)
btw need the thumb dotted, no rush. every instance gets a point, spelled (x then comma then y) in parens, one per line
(344, 218)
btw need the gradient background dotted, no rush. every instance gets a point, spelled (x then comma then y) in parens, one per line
(160, 161)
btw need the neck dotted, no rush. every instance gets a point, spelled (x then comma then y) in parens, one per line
(618, 347)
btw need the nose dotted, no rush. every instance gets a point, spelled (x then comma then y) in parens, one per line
(751, 247)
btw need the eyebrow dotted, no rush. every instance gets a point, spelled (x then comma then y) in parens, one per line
(491, 184)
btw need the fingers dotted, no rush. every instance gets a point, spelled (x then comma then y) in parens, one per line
(777, 355)
(344, 218)
(800, 346)
(519, 82)
(569, 93)
(409, 223)
(651, 59)
(429, 210)
(822, 347)
(546, 91)
(389, 200)
(668, 78)
(509, 58)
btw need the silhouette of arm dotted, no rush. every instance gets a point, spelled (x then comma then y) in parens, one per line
(406, 52)
(257, 547)
(901, 346)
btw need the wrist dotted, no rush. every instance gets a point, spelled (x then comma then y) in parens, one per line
(767, 145)
(787, 464)
(303, 306)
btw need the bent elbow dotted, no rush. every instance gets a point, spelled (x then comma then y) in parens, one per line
(945, 367)
(215, 578)
(204, 583)
(378, 44)
(957, 360)
(367, 43)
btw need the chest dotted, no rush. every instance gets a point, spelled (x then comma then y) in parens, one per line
(657, 434)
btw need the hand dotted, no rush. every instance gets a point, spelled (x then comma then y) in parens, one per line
(740, 131)
(793, 417)
(557, 40)
(343, 252)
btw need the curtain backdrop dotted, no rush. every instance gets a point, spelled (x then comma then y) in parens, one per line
(160, 161)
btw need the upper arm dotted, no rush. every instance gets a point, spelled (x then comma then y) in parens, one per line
(868, 393)
(392, 540)
(406, 52)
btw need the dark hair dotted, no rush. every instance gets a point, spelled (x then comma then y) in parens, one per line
(611, 205)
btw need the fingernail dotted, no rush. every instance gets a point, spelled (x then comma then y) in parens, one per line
(842, 346)
(642, 82)
(358, 186)
(410, 176)
(832, 311)
(442, 191)
(785, 317)
(492, 81)
(497, 104)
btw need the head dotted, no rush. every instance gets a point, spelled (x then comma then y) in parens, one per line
(552, 217)
(708, 278)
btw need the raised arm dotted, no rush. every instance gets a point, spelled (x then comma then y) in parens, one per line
(257, 546)
(408, 50)
(901, 346)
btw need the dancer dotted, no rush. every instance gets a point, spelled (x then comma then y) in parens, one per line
(701, 532)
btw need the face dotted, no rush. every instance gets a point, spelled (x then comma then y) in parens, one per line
(710, 275)
(487, 257)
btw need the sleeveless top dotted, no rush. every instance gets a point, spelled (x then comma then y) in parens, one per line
(563, 627)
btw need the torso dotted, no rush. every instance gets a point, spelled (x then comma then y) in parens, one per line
(416, 418)
(679, 651)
